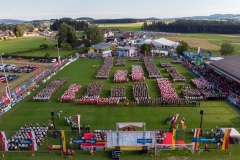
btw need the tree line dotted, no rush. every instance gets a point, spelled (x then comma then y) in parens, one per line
(7, 27)
(194, 26)
(126, 20)
(77, 25)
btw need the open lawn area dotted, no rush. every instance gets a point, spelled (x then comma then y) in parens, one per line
(23, 44)
(216, 113)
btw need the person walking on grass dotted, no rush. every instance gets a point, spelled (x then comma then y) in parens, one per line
(91, 150)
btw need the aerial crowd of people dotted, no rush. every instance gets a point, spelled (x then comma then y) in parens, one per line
(46, 93)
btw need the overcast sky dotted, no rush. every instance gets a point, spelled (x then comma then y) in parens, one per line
(100, 9)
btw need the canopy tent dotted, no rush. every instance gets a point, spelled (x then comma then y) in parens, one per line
(162, 42)
(125, 124)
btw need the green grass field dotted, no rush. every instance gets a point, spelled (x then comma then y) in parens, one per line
(216, 113)
(23, 44)
(53, 53)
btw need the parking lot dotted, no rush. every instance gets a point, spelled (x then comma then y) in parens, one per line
(23, 76)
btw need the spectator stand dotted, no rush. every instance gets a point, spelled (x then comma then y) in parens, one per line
(27, 138)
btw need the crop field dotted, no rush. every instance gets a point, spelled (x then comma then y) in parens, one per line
(124, 26)
(23, 44)
(216, 113)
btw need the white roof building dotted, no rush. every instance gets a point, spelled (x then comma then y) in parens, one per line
(162, 42)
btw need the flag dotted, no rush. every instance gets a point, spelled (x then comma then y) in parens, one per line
(18, 90)
(4, 141)
(44, 71)
(226, 139)
(174, 120)
(196, 135)
(36, 77)
(7, 91)
(174, 138)
(78, 121)
(34, 143)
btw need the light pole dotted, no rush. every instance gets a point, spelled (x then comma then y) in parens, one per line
(59, 58)
(52, 114)
(201, 113)
(193, 44)
(8, 87)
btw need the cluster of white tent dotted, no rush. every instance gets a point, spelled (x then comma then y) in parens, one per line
(162, 42)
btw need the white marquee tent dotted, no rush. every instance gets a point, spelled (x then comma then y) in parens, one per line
(162, 42)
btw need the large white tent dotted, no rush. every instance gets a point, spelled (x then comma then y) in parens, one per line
(162, 42)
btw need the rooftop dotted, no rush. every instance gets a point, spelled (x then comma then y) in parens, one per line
(102, 45)
(229, 65)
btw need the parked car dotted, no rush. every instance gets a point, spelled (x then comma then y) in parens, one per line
(8, 58)
(35, 67)
(29, 70)
(20, 70)
(19, 58)
(14, 76)
(32, 59)
(15, 70)
(26, 67)
(2, 79)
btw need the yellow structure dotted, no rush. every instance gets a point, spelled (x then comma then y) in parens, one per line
(101, 48)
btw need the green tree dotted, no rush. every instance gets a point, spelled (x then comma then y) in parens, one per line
(47, 55)
(29, 27)
(226, 49)
(66, 34)
(66, 46)
(18, 30)
(183, 46)
(146, 47)
(44, 46)
(92, 35)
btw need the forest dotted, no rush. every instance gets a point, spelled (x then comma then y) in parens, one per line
(126, 20)
(194, 26)
(78, 25)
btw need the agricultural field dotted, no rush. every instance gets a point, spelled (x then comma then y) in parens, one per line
(216, 113)
(23, 44)
(124, 26)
